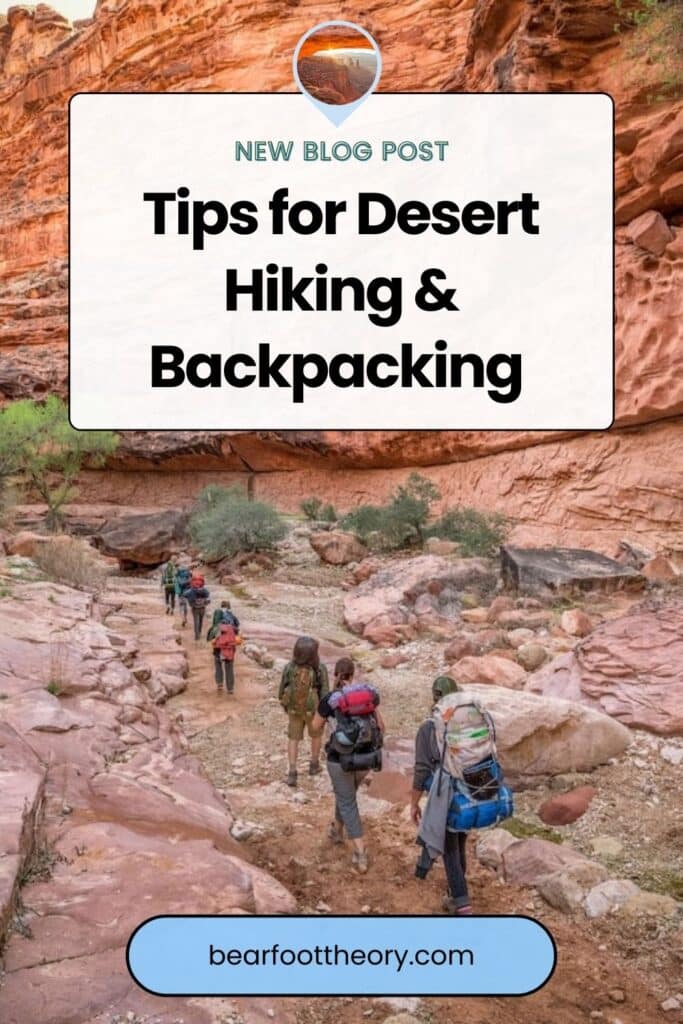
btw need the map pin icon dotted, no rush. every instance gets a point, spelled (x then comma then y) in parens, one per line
(337, 65)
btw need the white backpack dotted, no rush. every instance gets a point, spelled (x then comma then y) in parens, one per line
(465, 733)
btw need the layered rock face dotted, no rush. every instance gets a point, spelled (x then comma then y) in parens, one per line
(592, 489)
(100, 796)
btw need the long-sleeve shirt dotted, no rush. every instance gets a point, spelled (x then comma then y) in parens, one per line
(195, 593)
(427, 754)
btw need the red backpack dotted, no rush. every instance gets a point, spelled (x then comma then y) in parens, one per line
(358, 699)
(225, 642)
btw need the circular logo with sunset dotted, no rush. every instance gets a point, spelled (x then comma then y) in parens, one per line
(337, 63)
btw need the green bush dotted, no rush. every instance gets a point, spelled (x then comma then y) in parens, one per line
(314, 509)
(401, 522)
(477, 533)
(224, 522)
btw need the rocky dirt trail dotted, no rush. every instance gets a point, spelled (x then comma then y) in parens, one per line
(601, 974)
(150, 793)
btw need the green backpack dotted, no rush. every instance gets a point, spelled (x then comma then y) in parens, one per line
(303, 688)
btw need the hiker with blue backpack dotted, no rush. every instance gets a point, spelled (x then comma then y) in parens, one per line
(183, 578)
(354, 748)
(457, 764)
(198, 598)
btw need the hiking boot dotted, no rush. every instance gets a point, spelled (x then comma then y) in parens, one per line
(360, 859)
(452, 907)
(335, 832)
(314, 768)
(292, 777)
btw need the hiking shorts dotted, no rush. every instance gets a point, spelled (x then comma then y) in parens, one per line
(298, 722)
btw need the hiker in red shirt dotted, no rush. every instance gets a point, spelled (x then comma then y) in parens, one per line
(224, 657)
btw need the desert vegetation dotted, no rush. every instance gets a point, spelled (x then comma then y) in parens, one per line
(225, 522)
(41, 452)
(406, 521)
(71, 561)
(655, 42)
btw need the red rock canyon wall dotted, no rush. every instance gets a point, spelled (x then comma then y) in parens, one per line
(593, 489)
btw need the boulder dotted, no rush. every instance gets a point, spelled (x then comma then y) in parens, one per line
(517, 637)
(25, 543)
(144, 539)
(528, 860)
(491, 846)
(488, 668)
(606, 897)
(659, 570)
(567, 807)
(631, 668)
(575, 622)
(651, 232)
(653, 904)
(524, 618)
(531, 656)
(337, 548)
(564, 569)
(567, 888)
(459, 647)
(539, 737)
(388, 598)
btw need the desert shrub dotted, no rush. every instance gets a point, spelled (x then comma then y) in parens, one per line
(314, 509)
(40, 450)
(71, 561)
(224, 522)
(401, 522)
(477, 533)
(655, 43)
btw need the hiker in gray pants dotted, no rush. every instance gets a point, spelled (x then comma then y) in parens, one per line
(344, 784)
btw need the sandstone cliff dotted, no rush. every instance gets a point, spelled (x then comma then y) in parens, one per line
(559, 488)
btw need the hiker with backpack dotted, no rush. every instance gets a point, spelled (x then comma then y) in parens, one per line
(224, 646)
(303, 684)
(183, 578)
(224, 614)
(168, 581)
(198, 597)
(353, 749)
(456, 762)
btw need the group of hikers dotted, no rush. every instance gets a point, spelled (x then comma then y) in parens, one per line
(456, 762)
(189, 587)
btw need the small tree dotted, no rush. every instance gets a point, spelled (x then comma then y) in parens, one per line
(314, 509)
(224, 522)
(477, 533)
(401, 522)
(42, 450)
(411, 504)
